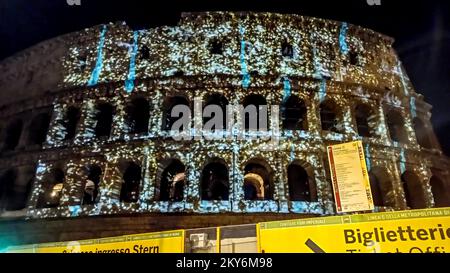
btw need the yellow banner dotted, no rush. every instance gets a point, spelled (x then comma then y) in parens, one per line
(160, 242)
(420, 231)
(350, 177)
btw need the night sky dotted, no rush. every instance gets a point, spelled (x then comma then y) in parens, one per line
(421, 30)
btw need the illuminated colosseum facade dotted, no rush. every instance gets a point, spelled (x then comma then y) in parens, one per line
(84, 121)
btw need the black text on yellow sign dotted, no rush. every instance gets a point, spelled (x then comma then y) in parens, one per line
(422, 231)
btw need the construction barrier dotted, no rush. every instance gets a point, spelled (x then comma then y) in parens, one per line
(416, 231)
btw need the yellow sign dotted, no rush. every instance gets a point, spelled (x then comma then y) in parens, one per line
(420, 231)
(350, 177)
(161, 242)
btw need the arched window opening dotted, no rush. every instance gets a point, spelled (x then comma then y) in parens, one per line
(254, 119)
(414, 194)
(287, 50)
(7, 194)
(362, 115)
(53, 185)
(375, 186)
(301, 186)
(145, 53)
(138, 115)
(131, 183)
(38, 130)
(215, 182)
(439, 191)
(91, 187)
(169, 105)
(70, 122)
(13, 134)
(422, 134)
(218, 101)
(396, 123)
(329, 116)
(104, 118)
(172, 182)
(354, 58)
(294, 114)
(216, 47)
(257, 182)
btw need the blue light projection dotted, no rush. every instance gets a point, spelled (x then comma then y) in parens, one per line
(287, 89)
(129, 83)
(413, 107)
(402, 76)
(343, 38)
(368, 156)
(323, 90)
(292, 155)
(99, 65)
(402, 161)
(75, 210)
(244, 69)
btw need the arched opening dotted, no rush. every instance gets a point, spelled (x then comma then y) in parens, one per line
(7, 193)
(294, 114)
(414, 194)
(144, 53)
(220, 102)
(329, 116)
(53, 185)
(13, 134)
(257, 181)
(381, 184)
(138, 115)
(215, 182)
(395, 123)
(254, 117)
(38, 129)
(91, 187)
(169, 104)
(375, 186)
(362, 115)
(422, 134)
(104, 118)
(131, 181)
(287, 50)
(301, 185)
(172, 182)
(439, 192)
(70, 122)
(24, 191)
(216, 47)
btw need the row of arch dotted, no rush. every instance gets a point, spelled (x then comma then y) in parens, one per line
(171, 182)
(293, 114)
(37, 132)
(214, 185)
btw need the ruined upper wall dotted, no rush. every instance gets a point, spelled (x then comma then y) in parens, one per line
(251, 44)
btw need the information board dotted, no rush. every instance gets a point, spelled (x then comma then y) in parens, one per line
(351, 184)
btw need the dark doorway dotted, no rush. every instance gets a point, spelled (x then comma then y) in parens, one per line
(294, 114)
(172, 182)
(131, 183)
(91, 187)
(138, 115)
(215, 184)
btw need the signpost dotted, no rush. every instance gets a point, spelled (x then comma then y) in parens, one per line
(420, 231)
(350, 177)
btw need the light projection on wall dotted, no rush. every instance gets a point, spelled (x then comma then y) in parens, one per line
(99, 64)
(168, 64)
(129, 83)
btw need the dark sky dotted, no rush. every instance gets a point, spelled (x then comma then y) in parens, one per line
(421, 29)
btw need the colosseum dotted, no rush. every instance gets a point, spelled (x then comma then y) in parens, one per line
(87, 151)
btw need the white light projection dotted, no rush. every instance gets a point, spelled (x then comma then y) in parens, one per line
(178, 61)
